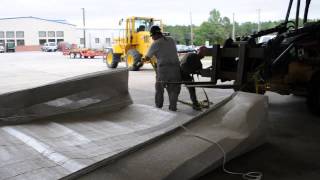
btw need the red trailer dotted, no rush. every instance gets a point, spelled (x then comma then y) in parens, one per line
(83, 53)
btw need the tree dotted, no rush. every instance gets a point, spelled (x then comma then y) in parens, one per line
(181, 34)
(215, 30)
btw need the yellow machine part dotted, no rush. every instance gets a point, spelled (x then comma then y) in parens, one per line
(130, 60)
(118, 48)
(109, 58)
(133, 39)
(141, 42)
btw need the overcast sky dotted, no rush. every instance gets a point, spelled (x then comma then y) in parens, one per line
(107, 13)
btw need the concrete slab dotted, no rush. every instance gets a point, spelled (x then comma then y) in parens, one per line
(55, 149)
(237, 126)
(68, 143)
(69, 147)
(143, 139)
(107, 90)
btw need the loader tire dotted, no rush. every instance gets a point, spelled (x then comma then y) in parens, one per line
(112, 59)
(133, 60)
(313, 97)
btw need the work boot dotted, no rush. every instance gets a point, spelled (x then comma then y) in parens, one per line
(196, 106)
(171, 108)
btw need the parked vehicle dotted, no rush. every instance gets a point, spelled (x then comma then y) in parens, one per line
(2, 48)
(10, 47)
(181, 48)
(83, 52)
(49, 47)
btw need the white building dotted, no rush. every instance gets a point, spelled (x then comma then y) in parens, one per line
(31, 32)
(97, 38)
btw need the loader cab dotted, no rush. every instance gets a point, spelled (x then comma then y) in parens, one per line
(136, 28)
(144, 24)
(137, 33)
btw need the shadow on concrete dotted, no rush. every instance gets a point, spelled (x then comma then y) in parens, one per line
(292, 151)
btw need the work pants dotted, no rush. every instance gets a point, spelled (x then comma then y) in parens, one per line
(173, 91)
(192, 90)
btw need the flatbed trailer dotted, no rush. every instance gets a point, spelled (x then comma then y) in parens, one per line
(83, 53)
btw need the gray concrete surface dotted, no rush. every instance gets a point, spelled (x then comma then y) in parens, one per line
(73, 144)
(81, 95)
(23, 70)
(182, 155)
(66, 144)
(292, 148)
(56, 148)
(30, 69)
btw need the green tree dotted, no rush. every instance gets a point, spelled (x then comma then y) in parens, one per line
(215, 30)
(181, 34)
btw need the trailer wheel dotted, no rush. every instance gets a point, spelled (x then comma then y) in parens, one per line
(133, 60)
(112, 59)
(313, 98)
(85, 56)
(73, 55)
(91, 57)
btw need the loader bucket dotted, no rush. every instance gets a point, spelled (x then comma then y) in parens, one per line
(115, 139)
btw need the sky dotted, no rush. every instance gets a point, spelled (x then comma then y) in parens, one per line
(107, 13)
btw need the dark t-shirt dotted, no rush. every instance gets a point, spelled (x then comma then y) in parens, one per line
(190, 63)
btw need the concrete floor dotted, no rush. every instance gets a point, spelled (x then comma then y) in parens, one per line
(292, 151)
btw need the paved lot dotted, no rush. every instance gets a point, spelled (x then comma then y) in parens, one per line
(29, 69)
(292, 150)
(25, 70)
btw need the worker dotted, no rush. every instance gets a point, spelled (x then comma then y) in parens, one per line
(141, 28)
(168, 67)
(191, 64)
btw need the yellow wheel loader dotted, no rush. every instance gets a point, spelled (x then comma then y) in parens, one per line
(133, 44)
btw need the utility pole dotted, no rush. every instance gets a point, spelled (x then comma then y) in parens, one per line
(259, 23)
(191, 30)
(90, 43)
(84, 27)
(233, 28)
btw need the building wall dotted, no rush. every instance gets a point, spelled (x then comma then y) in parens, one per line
(97, 38)
(32, 26)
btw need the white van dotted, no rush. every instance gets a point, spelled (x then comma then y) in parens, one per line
(49, 47)
(2, 48)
